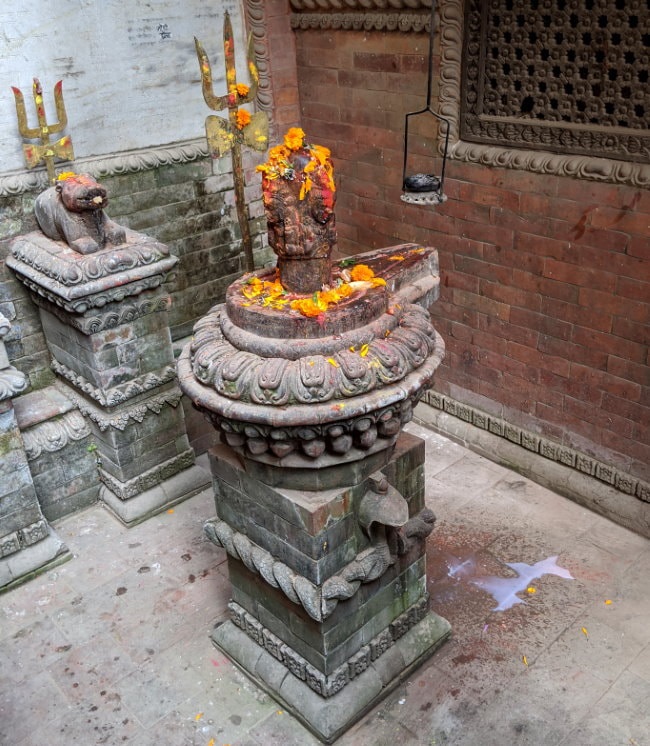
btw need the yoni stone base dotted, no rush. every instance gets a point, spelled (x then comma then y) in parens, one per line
(368, 680)
(329, 608)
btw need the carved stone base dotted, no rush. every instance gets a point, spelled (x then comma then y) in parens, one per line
(330, 717)
(162, 496)
(28, 561)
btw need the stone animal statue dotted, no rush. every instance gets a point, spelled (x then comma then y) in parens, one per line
(72, 211)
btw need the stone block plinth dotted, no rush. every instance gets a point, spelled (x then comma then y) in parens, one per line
(28, 545)
(329, 606)
(105, 320)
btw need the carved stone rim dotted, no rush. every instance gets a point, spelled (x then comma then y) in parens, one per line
(541, 162)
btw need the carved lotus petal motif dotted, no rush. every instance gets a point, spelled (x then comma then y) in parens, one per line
(271, 374)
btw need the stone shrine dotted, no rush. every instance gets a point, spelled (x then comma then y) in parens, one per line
(309, 371)
(103, 307)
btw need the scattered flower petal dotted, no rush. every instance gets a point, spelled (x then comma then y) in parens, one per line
(199, 716)
(585, 633)
(531, 589)
(333, 362)
(525, 660)
(608, 601)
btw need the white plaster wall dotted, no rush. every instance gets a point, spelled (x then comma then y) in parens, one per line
(130, 73)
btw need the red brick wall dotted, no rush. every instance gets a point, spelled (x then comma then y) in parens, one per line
(545, 291)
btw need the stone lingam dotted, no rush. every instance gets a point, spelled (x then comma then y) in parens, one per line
(309, 371)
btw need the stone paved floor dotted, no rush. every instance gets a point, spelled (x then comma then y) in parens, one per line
(112, 647)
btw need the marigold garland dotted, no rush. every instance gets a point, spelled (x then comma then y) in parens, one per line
(271, 294)
(319, 166)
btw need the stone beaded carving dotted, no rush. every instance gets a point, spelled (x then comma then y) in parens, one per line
(403, 22)
(319, 601)
(278, 381)
(54, 435)
(365, 433)
(361, 5)
(327, 686)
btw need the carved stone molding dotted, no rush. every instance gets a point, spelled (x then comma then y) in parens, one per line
(118, 394)
(403, 22)
(54, 435)
(543, 446)
(256, 23)
(327, 686)
(536, 161)
(148, 479)
(126, 414)
(24, 537)
(121, 163)
(318, 601)
(336, 373)
(388, 6)
(12, 382)
(96, 300)
(44, 256)
(107, 318)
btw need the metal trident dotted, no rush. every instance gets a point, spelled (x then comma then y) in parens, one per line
(240, 128)
(35, 154)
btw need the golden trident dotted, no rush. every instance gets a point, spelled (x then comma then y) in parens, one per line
(240, 128)
(47, 151)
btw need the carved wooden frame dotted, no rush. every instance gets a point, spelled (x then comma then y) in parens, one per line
(538, 161)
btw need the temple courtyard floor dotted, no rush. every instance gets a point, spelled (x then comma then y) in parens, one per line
(113, 646)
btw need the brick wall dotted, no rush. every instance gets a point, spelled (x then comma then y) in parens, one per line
(545, 297)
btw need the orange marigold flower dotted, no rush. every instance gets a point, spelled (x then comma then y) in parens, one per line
(65, 175)
(294, 138)
(242, 89)
(306, 307)
(361, 272)
(243, 118)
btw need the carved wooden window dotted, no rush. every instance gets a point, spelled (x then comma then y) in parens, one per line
(566, 76)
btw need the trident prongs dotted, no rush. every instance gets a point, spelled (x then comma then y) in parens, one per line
(225, 135)
(233, 98)
(46, 152)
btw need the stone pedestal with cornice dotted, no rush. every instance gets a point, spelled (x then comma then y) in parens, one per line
(28, 545)
(319, 493)
(104, 317)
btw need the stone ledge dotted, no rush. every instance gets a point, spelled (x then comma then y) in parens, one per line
(32, 560)
(163, 496)
(575, 475)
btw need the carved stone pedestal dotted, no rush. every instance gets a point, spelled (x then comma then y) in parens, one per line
(28, 545)
(104, 317)
(329, 607)
(319, 493)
